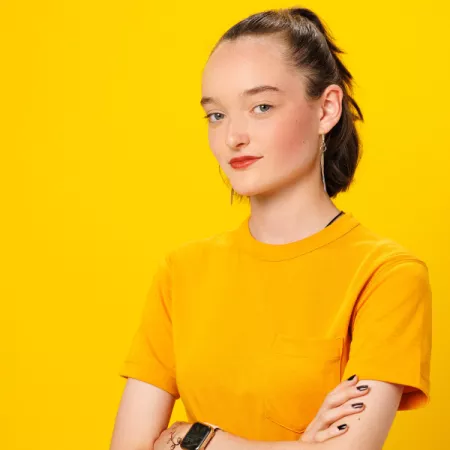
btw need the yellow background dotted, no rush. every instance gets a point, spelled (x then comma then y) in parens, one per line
(105, 165)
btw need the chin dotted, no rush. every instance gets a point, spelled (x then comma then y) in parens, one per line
(262, 190)
(252, 191)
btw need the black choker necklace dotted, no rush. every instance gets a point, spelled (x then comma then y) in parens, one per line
(329, 223)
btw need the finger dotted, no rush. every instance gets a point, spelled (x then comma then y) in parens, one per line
(350, 381)
(347, 409)
(331, 432)
(339, 397)
(345, 383)
(337, 405)
(334, 395)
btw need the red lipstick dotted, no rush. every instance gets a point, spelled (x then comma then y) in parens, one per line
(243, 161)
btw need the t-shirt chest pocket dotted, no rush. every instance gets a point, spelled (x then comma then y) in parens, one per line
(300, 372)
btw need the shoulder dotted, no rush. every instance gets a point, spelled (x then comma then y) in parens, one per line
(380, 253)
(389, 276)
(198, 251)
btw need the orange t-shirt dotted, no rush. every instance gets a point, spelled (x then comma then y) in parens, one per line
(252, 336)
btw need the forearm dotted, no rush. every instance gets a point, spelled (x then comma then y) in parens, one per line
(227, 441)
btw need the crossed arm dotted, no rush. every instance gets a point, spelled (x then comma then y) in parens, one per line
(367, 430)
(145, 411)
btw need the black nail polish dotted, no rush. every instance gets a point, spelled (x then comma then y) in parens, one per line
(357, 405)
(342, 427)
(351, 378)
(363, 387)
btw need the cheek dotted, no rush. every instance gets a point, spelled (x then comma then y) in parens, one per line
(214, 142)
(290, 138)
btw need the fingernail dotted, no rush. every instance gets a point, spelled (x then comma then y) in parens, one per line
(351, 378)
(363, 387)
(342, 427)
(357, 405)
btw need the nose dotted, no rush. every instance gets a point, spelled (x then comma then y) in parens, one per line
(237, 138)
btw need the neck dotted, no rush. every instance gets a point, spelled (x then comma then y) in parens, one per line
(290, 214)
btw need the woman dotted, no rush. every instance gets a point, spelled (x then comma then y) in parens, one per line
(255, 328)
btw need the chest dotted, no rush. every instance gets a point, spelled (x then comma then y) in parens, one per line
(265, 340)
(240, 306)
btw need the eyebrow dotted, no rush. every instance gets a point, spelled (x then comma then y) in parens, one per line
(253, 91)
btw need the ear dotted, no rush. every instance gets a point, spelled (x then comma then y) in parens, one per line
(330, 108)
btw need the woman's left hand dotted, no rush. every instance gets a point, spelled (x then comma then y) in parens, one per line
(170, 439)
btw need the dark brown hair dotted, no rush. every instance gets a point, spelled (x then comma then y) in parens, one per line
(311, 49)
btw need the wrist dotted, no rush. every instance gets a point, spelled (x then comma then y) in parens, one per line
(223, 440)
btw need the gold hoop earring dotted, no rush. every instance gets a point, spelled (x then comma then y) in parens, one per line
(323, 149)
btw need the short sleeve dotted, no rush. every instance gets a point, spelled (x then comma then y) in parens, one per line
(391, 331)
(151, 355)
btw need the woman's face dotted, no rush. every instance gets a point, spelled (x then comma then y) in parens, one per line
(278, 125)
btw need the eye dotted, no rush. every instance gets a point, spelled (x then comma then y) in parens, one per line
(208, 116)
(264, 105)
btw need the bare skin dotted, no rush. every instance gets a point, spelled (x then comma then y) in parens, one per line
(286, 193)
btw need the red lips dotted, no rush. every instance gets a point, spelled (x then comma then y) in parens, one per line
(243, 161)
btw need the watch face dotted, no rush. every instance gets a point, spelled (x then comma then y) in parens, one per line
(195, 436)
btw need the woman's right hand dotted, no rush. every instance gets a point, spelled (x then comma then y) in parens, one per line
(337, 405)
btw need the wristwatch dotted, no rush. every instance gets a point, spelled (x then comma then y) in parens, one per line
(198, 436)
